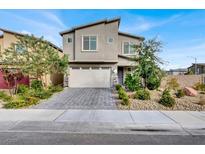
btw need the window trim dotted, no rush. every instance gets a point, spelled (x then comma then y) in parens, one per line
(129, 42)
(82, 43)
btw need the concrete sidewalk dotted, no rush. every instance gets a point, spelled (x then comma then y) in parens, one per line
(101, 120)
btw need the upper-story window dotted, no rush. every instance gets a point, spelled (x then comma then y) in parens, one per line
(20, 48)
(69, 40)
(89, 43)
(128, 48)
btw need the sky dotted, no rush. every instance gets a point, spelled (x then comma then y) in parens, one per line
(181, 31)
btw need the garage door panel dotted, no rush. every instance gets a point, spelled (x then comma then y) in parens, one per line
(89, 78)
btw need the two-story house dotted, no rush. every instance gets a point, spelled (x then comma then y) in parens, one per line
(99, 55)
(197, 68)
(7, 37)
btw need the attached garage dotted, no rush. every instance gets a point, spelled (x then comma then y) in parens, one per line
(98, 77)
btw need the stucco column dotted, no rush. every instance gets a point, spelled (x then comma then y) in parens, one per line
(114, 76)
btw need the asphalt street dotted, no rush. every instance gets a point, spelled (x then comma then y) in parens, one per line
(43, 138)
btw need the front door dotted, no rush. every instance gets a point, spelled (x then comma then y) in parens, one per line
(120, 75)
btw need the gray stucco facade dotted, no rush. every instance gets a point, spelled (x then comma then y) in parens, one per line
(107, 54)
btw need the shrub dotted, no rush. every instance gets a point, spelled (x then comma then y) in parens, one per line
(142, 94)
(22, 89)
(153, 82)
(118, 86)
(133, 82)
(54, 89)
(180, 93)
(5, 97)
(36, 84)
(17, 103)
(40, 93)
(166, 99)
(173, 84)
(21, 101)
(125, 100)
(121, 93)
(199, 86)
(31, 100)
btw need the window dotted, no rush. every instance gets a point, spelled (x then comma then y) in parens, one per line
(69, 40)
(20, 48)
(75, 68)
(110, 39)
(128, 48)
(95, 68)
(85, 68)
(89, 43)
(105, 68)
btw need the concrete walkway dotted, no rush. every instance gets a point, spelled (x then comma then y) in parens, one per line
(102, 121)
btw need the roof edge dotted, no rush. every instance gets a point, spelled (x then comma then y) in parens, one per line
(131, 35)
(126, 57)
(21, 34)
(105, 21)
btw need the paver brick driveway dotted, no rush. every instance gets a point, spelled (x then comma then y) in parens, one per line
(80, 98)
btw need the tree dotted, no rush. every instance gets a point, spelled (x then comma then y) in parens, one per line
(148, 63)
(34, 57)
(11, 77)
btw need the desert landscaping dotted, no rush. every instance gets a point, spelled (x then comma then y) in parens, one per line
(185, 102)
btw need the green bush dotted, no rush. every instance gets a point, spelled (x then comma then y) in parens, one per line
(125, 100)
(54, 89)
(15, 104)
(180, 93)
(142, 94)
(121, 93)
(199, 86)
(22, 89)
(153, 82)
(133, 82)
(42, 94)
(166, 99)
(5, 97)
(118, 86)
(21, 101)
(36, 84)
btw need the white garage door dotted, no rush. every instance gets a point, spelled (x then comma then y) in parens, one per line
(89, 77)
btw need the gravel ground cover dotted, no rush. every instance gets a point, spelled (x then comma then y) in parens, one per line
(186, 103)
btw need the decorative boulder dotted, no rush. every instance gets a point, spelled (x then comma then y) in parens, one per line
(190, 91)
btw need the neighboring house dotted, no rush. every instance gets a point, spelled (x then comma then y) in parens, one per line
(179, 71)
(99, 55)
(198, 68)
(8, 37)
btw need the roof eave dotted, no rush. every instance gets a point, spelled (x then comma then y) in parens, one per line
(90, 24)
(21, 34)
(131, 35)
